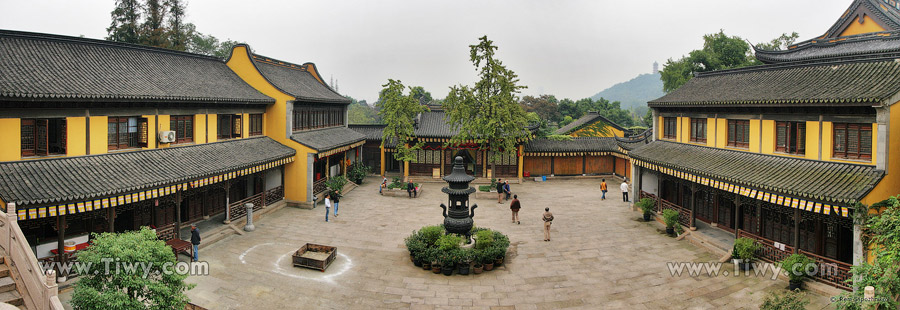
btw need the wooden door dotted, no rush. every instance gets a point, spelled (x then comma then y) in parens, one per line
(537, 165)
(598, 164)
(570, 165)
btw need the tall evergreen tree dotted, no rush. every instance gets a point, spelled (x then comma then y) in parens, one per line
(489, 112)
(125, 25)
(153, 30)
(177, 32)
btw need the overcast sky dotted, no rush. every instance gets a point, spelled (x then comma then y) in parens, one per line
(571, 49)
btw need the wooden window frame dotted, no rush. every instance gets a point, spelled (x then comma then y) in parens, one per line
(233, 131)
(36, 133)
(863, 133)
(790, 133)
(738, 133)
(307, 117)
(670, 128)
(122, 138)
(256, 124)
(698, 130)
(183, 126)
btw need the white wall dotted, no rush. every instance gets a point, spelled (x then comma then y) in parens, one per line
(649, 182)
(273, 178)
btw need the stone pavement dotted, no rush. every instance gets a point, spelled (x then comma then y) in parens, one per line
(600, 257)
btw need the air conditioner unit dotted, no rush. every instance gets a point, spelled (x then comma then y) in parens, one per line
(166, 136)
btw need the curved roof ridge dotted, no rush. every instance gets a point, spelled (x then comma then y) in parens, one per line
(281, 82)
(92, 41)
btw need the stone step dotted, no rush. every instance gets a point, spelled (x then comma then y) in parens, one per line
(4, 270)
(12, 298)
(7, 284)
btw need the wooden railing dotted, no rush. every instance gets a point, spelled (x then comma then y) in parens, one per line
(319, 186)
(767, 251)
(651, 196)
(274, 195)
(237, 209)
(832, 272)
(40, 290)
(684, 214)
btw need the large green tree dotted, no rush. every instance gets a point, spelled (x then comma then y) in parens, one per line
(719, 51)
(177, 32)
(544, 105)
(130, 270)
(153, 30)
(126, 22)
(488, 112)
(398, 111)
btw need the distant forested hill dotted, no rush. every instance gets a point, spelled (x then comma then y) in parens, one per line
(634, 94)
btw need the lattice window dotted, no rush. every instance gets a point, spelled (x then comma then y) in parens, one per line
(698, 130)
(183, 125)
(739, 133)
(852, 141)
(256, 124)
(790, 137)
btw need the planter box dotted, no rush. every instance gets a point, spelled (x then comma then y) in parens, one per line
(400, 192)
(314, 256)
(486, 195)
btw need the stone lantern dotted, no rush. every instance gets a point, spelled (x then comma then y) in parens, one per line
(458, 218)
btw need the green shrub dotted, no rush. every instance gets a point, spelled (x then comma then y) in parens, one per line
(745, 249)
(430, 234)
(357, 170)
(335, 184)
(670, 217)
(484, 188)
(795, 266)
(790, 300)
(415, 245)
(647, 205)
(500, 240)
(484, 239)
(447, 243)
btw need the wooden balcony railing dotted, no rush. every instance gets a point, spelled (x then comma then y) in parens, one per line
(259, 201)
(768, 252)
(832, 272)
(319, 186)
(684, 214)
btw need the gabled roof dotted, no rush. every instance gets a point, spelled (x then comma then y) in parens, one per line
(884, 12)
(328, 138)
(812, 179)
(848, 48)
(431, 124)
(47, 181)
(838, 82)
(296, 80)
(47, 67)
(587, 119)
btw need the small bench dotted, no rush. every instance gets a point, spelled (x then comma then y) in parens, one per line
(167, 234)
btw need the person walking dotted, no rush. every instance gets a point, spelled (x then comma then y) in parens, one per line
(337, 199)
(515, 205)
(411, 189)
(195, 241)
(548, 219)
(603, 188)
(327, 206)
(506, 189)
(499, 190)
(383, 185)
(624, 188)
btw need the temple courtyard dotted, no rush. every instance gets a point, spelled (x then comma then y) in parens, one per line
(600, 256)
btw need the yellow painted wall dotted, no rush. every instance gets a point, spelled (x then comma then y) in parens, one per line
(99, 138)
(890, 184)
(212, 128)
(152, 142)
(661, 127)
(684, 129)
(162, 125)
(867, 26)
(11, 139)
(711, 131)
(275, 123)
(521, 161)
(245, 128)
(76, 136)
(200, 128)
(721, 132)
(754, 136)
(812, 140)
(827, 140)
(768, 136)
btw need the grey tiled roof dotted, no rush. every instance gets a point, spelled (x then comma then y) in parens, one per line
(296, 81)
(847, 48)
(577, 144)
(46, 181)
(431, 124)
(586, 120)
(821, 180)
(327, 138)
(888, 15)
(824, 83)
(51, 67)
(373, 133)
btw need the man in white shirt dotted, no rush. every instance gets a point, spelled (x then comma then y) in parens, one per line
(624, 188)
(327, 206)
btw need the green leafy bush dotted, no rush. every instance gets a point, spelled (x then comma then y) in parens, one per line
(448, 242)
(415, 245)
(430, 234)
(795, 266)
(745, 249)
(484, 188)
(357, 170)
(670, 217)
(790, 300)
(880, 224)
(484, 239)
(335, 184)
(647, 205)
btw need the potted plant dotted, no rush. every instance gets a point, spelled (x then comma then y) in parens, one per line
(477, 266)
(744, 252)
(647, 205)
(483, 239)
(427, 258)
(670, 217)
(357, 172)
(335, 184)
(487, 259)
(465, 260)
(415, 246)
(795, 266)
(447, 262)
